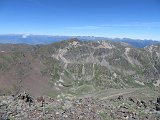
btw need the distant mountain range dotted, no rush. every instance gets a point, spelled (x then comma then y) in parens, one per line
(47, 39)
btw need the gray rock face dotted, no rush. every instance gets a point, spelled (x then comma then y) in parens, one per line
(158, 104)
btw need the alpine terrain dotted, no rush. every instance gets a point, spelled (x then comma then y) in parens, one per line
(77, 79)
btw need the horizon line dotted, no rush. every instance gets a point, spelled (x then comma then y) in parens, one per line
(30, 34)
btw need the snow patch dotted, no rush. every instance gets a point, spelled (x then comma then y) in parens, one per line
(83, 70)
(60, 85)
(117, 59)
(157, 84)
(61, 80)
(115, 75)
(141, 83)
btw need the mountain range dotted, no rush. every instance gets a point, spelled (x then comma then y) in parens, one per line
(48, 39)
(76, 67)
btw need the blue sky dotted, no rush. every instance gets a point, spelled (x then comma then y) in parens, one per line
(108, 18)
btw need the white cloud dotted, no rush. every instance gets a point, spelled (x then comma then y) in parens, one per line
(25, 35)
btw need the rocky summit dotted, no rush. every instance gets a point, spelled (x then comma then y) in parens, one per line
(23, 107)
(74, 79)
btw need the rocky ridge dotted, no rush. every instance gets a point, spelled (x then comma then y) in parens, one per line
(25, 107)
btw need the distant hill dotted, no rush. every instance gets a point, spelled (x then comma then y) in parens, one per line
(46, 39)
(137, 42)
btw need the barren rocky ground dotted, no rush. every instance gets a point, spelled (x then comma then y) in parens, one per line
(24, 107)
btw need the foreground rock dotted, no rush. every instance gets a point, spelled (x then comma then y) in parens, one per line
(24, 107)
(158, 104)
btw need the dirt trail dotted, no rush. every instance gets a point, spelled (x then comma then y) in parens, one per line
(127, 50)
(118, 94)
